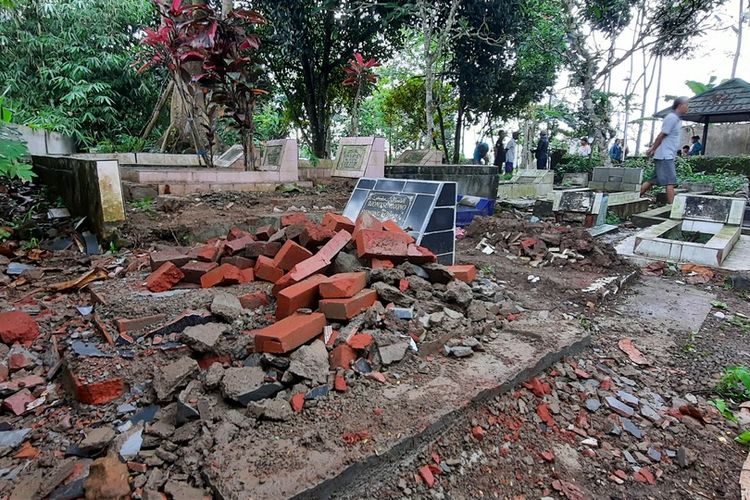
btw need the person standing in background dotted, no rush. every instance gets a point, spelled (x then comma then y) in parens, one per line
(510, 153)
(585, 148)
(615, 152)
(697, 148)
(499, 161)
(541, 151)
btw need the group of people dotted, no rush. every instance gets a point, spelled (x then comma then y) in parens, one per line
(506, 152)
(694, 150)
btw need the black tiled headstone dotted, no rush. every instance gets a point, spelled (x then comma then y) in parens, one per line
(427, 209)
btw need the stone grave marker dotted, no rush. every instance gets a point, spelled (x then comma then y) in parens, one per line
(589, 206)
(280, 156)
(231, 157)
(614, 179)
(426, 209)
(360, 157)
(420, 157)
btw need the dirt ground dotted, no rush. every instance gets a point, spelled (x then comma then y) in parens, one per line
(554, 436)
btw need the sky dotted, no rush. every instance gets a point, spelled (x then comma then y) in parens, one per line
(712, 56)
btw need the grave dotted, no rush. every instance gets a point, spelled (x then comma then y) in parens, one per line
(527, 184)
(702, 229)
(575, 180)
(281, 155)
(425, 209)
(420, 157)
(360, 157)
(233, 157)
(585, 207)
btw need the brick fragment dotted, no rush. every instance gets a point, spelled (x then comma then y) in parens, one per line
(315, 235)
(94, 393)
(257, 248)
(27, 451)
(137, 467)
(330, 250)
(164, 278)
(391, 226)
(298, 402)
(133, 325)
(237, 247)
(372, 243)
(420, 255)
(467, 272)
(343, 286)
(254, 300)
(339, 383)
(290, 255)
(308, 267)
(346, 309)
(342, 356)
(236, 233)
(174, 256)
(426, 474)
(17, 326)
(224, 275)
(282, 283)
(247, 276)
(291, 219)
(338, 222)
(366, 221)
(206, 253)
(264, 233)
(381, 263)
(266, 271)
(239, 262)
(360, 341)
(16, 404)
(300, 295)
(194, 269)
(289, 333)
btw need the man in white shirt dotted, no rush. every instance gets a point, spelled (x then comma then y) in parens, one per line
(585, 148)
(510, 153)
(665, 148)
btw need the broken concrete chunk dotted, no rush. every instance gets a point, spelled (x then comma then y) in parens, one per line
(247, 384)
(183, 491)
(390, 276)
(451, 313)
(108, 479)
(96, 439)
(203, 338)
(169, 378)
(213, 376)
(226, 306)
(276, 409)
(310, 362)
(187, 407)
(393, 353)
(390, 293)
(459, 351)
(459, 292)
(438, 273)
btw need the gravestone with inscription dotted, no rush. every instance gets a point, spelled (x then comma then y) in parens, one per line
(425, 209)
(231, 158)
(280, 155)
(360, 157)
(420, 157)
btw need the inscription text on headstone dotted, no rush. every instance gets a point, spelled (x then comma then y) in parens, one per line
(392, 206)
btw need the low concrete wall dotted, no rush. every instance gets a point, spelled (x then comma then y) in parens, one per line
(89, 188)
(43, 142)
(471, 180)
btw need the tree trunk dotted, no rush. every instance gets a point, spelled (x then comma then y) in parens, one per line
(646, 88)
(739, 40)
(157, 110)
(459, 131)
(656, 102)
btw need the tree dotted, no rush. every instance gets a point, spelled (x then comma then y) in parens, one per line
(361, 77)
(307, 45)
(67, 65)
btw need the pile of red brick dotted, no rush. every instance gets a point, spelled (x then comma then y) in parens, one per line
(296, 259)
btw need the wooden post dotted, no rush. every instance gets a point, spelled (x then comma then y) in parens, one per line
(705, 135)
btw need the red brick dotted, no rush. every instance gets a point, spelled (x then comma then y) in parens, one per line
(254, 300)
(644, 475)
(381, 264)
(133, 325)
(477, 432)
(264, 233)
(360, 341)
(467, 273)
(177, 258)
(194, 269)
(258, 248)
(17, 326)
(420, 255)
(236, 233)
(266, 271)
(392, 227)
(19, 358)
(339, 383)
(294, 231)
(298, 402)
(207, 253)
(342, 356)
(282, 283)
(315, 235)
(27, 451)
(366, 221)
(95, 393)
(290, 255)
(338, 222)
(330, 250)
(247, 276)
(372, 243)
(426, 474)
(403, 285)
(239, 262)
(236, 247)
(289, 333)
(300, 295)
(164, 278)
(308, 267)
(137, 467)
(343, 286)
(16, 404)
(291, 219)
(225, 274)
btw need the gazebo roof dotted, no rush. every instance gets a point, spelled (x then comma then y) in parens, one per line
(725, 103)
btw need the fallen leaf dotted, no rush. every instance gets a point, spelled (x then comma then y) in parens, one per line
(636, 356)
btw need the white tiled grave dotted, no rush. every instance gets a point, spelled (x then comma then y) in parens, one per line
(715, 219)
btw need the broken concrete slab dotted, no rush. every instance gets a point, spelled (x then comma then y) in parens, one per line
(274, 409)
(226, 306)
(247, 384)
(203, 338)
(324, 472)
(169, 378)
(310, 362)
(393, 353)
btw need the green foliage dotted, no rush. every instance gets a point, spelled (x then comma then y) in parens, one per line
(721, 405)
(4, 234)
(735, 383)
(576, 164)
(719, 304)
(31, 244)
(123, 143)
(13, 149)
(743, 438)
(613, 218)
(145, 205)
(740, 321)
(68, 66)
(272, 120)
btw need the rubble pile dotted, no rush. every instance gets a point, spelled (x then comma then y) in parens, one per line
(285, 317)
(540, 244)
